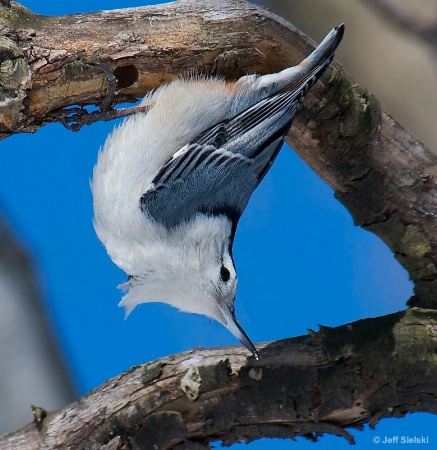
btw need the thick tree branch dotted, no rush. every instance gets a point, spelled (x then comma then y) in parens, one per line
(384, 176)
(306, 386)
(46, 60)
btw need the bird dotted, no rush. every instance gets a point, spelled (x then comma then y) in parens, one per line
(170, 185)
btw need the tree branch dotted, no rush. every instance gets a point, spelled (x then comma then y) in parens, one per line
(46, 60)
(384, 176)
(306, 386)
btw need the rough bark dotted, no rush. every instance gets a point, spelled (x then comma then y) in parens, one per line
(46, 60)
(306, 386)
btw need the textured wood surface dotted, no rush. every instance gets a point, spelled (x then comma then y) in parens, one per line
(305, 386)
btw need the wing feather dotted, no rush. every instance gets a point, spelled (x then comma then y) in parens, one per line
(218, 171)
(214, 181)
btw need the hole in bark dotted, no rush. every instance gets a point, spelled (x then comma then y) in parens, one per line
(126, 76)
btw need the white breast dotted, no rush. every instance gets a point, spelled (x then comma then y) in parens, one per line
(135, 151)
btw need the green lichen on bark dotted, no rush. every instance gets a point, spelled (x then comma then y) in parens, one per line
(360, 111)
(369, 338)
(416, 338)
(214, 376)
(21, 19)
(414, 243)
(151, 372)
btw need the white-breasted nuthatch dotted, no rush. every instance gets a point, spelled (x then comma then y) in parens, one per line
(170, 185)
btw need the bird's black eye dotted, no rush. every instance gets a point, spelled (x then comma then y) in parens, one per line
(225, 275)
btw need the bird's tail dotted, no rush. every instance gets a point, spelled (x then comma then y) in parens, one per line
(312, 66)
(302, 76)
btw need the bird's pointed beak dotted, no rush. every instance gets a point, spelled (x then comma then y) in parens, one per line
(231, 323)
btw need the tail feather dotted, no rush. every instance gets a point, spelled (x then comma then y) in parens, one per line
(313, 65)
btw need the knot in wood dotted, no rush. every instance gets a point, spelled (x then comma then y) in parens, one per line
(14, 70)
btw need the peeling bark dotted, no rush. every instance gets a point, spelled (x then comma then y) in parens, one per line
(144, 47)
(305, 386)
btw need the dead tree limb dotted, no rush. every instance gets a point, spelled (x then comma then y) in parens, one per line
(46, 60)
(306, 386)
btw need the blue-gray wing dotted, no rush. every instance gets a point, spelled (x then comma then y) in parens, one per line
(219, 170)
(203, 179)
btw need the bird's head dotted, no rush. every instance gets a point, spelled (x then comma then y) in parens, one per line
(194, 271)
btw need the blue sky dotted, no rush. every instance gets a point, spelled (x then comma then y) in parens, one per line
(300, 261)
